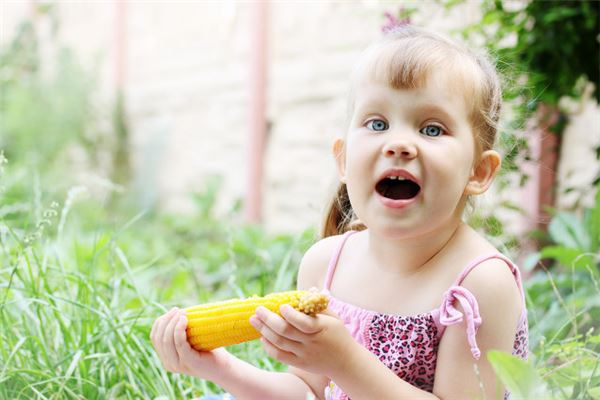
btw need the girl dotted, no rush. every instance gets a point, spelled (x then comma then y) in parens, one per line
(417, 297)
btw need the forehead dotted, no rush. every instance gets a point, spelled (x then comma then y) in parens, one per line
(418, 65)
(437, 91)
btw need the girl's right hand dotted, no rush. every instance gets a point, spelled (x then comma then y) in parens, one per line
(170, 342)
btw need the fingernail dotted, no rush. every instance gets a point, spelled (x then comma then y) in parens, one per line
(254, 321)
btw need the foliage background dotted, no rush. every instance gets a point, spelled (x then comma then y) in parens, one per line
(83, 276)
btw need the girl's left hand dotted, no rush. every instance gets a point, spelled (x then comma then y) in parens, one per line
(319, 344)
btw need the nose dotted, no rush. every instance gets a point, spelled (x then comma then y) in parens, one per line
(400, 148)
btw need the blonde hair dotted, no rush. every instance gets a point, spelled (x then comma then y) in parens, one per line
(404, 59)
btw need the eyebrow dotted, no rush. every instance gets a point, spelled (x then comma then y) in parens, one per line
(435, 109)
(371, 102)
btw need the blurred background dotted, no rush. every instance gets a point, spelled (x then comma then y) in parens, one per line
(181, 151)
(161, 99)
(201, 83)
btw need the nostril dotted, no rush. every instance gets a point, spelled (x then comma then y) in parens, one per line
(405, 152)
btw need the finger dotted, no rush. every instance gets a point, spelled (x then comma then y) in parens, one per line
(331, 313)
(299, 320)
(171, 359)
(182, 346)
(273, 337)
(277, 353)
(159, 332)
(158, 327)
(277, 324)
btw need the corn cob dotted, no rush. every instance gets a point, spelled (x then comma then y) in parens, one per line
(228, 322)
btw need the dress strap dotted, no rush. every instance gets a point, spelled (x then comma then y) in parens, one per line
(334, 259)
(513, 268)
(449, 315)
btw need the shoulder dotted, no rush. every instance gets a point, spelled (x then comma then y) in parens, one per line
(495, 289)
(315, 261)
(493, 281)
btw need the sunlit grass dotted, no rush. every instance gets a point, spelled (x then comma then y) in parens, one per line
(81, 286)
(76, 310)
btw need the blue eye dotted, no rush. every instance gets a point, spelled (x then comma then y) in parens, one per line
(377, 125)
(432, 131)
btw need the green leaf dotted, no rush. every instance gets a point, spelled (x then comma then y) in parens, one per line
(592, 223)
(564, 255)
(594, 393)
(593, 339)
(531, 261)
(519, 377)
(566, 229)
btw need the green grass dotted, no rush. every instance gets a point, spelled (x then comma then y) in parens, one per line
(76, 309)
(81, 284)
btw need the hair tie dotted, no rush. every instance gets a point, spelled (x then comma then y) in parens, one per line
(393, 22)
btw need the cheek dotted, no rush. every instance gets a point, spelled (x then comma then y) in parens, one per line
(458, 157)
(453, 169)
(355, 180)
(355, 159)
(358, 175)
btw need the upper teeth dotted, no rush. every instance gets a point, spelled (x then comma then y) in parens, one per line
(400, 178)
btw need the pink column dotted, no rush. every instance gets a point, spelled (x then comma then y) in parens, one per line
(530, 195)
(258, 123)
(548, 163)
(538, 192)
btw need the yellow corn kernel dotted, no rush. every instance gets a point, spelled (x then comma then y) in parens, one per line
(227, 322)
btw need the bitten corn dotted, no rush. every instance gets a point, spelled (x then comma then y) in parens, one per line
(228, 322)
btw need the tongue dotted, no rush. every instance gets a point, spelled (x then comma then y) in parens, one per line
(398, 190)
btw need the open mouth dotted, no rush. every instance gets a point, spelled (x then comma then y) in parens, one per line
(397, 188)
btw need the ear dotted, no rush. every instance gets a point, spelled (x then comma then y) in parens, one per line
(339, 155)
(483, 173)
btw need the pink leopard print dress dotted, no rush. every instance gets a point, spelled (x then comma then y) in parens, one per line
(408, 344)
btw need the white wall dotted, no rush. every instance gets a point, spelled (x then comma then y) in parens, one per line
(187, 90)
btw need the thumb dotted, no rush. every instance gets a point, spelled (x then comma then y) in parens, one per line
(329, 312)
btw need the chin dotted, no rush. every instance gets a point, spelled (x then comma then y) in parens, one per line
(396, 229)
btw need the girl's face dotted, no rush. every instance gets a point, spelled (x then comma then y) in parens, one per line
(408, 158)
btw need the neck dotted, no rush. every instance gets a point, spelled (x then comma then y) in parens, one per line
(415, 252)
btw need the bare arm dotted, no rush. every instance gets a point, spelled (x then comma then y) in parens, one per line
(311, 274)
(243, 380)
(500, 306)
(247, 382)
